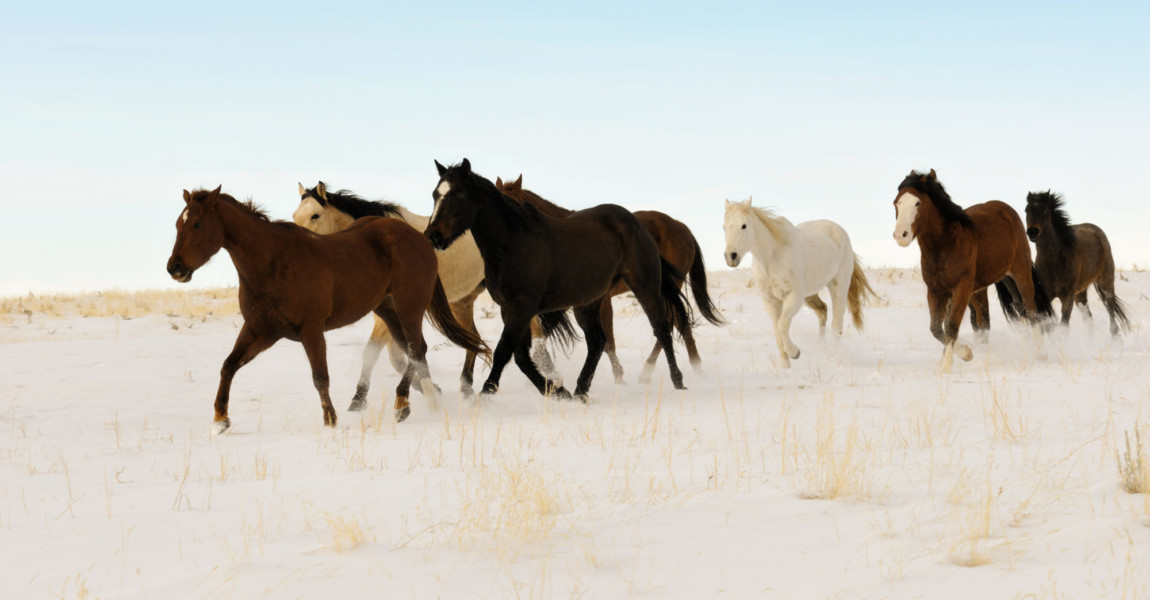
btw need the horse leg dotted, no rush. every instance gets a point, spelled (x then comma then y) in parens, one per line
(380, 337)
(688, 336)
(1084, 306)
(649, 297)
(411, 324)
(955, 308)
(588, 319)
(839, 288)
(539, 353)
(516, 324)
(315, 347)
(787, 311)
(980, 316)
(820, 309)
(774, 308)
(545, 385)
(464, 311)
(1067, 302)
(248, 346)
(607, 319)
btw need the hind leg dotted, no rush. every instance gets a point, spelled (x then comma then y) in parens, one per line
(380, 337)
(388, 314)
(820, 309)
(539, 354)
(607, 320)
(527, 366)
(1084, 306)
(649, 297)
(464, 311)
(980, 316)
(838, 289)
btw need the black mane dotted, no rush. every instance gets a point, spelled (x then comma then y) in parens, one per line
(927, 184)
(354, 206)
(518, 216)
(248, 205)
(1059, 220)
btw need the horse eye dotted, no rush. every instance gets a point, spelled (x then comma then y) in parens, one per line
(196, 225)
(917, 203)
(315, 216)
(744, 225)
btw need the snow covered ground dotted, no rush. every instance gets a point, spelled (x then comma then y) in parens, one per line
(862, 472)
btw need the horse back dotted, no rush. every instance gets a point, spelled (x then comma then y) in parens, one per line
(1000, 241)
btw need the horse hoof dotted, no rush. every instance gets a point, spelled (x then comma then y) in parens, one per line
(620, 381)
(402, 414)
(221, 426)
(584, 398)
(796, 354)
(357, 404)
(561, 393)
(965, 353)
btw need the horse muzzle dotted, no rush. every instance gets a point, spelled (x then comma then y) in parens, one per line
(732, 259)
(903, 237)
(1032, 233)
(178, 271)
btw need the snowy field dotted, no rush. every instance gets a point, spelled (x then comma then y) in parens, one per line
(862, 472)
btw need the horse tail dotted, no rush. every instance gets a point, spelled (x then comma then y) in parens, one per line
(858, 293)
(1041, 297)
(698, 278)
(557, 327)
(1115, 307)
(674, 299)
(445, 322)
(1007, 290)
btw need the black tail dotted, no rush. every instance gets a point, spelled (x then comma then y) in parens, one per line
(698, 278)
(675, 301)
(1007, 291)
(1041, 297)
(445, 322)
(1115, 307)
(557, 328)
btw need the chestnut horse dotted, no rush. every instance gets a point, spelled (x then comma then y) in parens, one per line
(460, 269)
(677, 246)
(1071, 257)
(295, 284)
(539, 265)
(964, 252)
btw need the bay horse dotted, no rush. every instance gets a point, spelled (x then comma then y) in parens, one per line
(460, 269)
(295, 284)
(1071, 257)
(677, 245)
(791, 264)
(536, 264)
(963, 253)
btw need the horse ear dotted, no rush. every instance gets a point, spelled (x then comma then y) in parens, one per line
(519, 182)
(302, 189)
(499, 182)
(442, 169)
(187, 197)
(932, 175)
(321, 190)
(466, 164)
(213, 195)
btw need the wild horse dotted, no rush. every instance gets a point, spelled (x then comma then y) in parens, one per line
(1071, 257)
(539, 265)
(460, 269)
(295, 284)
(964, 252)
(677, 246)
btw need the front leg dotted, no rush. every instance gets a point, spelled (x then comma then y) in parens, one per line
(791, 304)
(956, 308)
(315, 347)
(248, 346)
(980, 316)
(515, 329)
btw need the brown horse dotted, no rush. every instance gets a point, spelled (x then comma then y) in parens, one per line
(677, 246)
(1071, 257)
(295, 284)
(964, 252)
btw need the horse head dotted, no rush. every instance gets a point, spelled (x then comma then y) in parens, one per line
(1039, 212)
(316, 213)
(199, 234)
(456, 199)
(736, 227)
(907, 202)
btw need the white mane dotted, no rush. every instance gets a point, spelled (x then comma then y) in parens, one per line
(779, 227)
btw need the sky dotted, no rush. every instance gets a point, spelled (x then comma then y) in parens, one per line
(816, 109)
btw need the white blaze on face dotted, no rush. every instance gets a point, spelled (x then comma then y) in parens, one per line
(734, 226)
(184, 216)
(907, 208)
(442, 190)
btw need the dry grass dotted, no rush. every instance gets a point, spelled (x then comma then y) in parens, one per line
(119, 303)
(1133, 465)
(840, 468)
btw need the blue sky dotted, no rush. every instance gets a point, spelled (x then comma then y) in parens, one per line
(816, 109)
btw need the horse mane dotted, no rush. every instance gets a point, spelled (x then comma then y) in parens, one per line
(248, 205)
(519, 216)
(779, 226)
(541, 200)
(354, 206)
(927, 184)
(1059, 220)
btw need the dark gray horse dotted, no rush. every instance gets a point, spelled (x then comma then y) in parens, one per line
(1071, 257)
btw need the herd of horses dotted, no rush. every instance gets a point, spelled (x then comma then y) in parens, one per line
(344, 257)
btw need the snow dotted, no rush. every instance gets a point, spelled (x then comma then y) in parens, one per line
(861, 472)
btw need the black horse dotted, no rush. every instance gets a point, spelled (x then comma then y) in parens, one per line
(1071, 257)
(540, 265)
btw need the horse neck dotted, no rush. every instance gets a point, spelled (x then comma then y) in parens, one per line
(765, 240)
(245, 238)
(932, 232)
(492, 228)
(1050, 241)
(417, 221)
(543, 205)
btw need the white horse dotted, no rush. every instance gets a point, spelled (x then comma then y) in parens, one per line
(460, 270)
(792, 263)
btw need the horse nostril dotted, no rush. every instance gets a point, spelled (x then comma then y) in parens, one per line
(734, 256)
(904, 234)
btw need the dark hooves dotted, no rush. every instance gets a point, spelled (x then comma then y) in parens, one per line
(402, 414)
(357, 404)
(561, 393)
(584, 398)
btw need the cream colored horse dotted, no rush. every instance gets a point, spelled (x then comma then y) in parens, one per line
(792, 263)
(460, 270)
